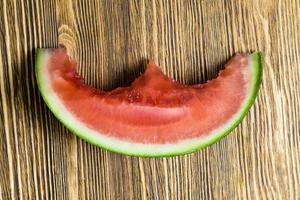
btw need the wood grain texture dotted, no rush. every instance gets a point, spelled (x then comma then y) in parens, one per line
(112, 40)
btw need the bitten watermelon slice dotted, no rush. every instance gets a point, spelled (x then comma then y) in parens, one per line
(155, 116)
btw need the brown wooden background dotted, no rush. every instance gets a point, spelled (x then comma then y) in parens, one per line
(191, 39)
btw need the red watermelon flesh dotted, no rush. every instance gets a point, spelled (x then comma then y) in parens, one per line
(155, 109)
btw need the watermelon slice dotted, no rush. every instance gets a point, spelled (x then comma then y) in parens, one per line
(155, 116)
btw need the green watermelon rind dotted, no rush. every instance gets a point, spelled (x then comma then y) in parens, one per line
(256, 63)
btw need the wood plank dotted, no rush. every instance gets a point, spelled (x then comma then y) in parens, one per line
(112, 40)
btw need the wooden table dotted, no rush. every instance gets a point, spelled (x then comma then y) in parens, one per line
(112, 40)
